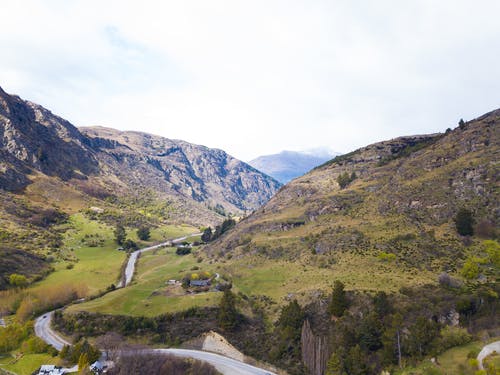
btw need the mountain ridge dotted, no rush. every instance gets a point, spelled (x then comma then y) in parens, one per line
(287, 165)
(395, 199)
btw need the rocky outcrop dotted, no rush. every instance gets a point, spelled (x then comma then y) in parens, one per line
(315, 350)
(205, 175)
(33, 140)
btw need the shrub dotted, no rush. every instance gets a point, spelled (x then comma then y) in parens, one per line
(345, 179)
(453, 336)
(386, 257)
(464, 222)
(470, 269)
(17, 280)
(184, 250)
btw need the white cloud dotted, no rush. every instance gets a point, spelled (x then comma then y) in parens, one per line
(256, 77)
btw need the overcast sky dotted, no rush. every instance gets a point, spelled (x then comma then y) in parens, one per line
(256, 77)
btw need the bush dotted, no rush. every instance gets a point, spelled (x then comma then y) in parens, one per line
(464, 222)
(184, 250)
(386, 257)
(470, 269)
(130, 245)
(453, 336)
(34, 345)
(17, 280)
(344, 179)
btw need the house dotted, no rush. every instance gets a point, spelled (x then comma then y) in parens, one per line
(97, 367)
(200, 282)
(51, 370)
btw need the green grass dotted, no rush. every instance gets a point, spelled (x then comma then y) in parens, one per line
(146, 295)
(98, 267)
(94, 267)
(28, 363)
(452, 362)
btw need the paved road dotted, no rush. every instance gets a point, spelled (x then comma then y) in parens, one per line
(486, 351)
(225, 365)
(45, 332)
(129, 270)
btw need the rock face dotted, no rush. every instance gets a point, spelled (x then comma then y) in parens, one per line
(288, 165)
(33, 140)
(197, 172)
(315, 350)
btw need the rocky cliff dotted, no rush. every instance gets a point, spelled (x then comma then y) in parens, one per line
(35, 141)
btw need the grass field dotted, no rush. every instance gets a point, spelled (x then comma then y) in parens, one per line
(147, 294)
(452, 362)
(28, 363)
(97, 267)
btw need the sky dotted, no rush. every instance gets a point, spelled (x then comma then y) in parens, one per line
(256, 77)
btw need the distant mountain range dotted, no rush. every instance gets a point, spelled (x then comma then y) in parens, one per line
(288, 165)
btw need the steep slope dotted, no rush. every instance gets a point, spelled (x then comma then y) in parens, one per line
(393, 225)
(205, 175)
(288, 165)
(49, 170)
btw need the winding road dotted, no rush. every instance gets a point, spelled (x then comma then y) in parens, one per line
(486, 351)
(132, 260)
(225, 365)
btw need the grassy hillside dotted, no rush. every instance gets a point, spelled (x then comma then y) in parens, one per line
(381, 217)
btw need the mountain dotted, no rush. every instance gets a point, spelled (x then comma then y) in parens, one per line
(205, 175)
(288, 165)
(381, 217)
(50, 169)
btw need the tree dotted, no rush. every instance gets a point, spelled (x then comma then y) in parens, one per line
(334, 365)
(422, 334)
(207, 235)
(120, 234)
(18, 280)
(143, 233)
(338, 303)
(83, 363)
(464, 222)
(355, 362)
(227, 318)
(461, 123)
(223, 228)
(370, 332)
(345, 179)
(391, 339)
(382, 304)
(128, 244)
(292, 316)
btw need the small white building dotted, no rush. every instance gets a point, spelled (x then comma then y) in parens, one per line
(51, 370)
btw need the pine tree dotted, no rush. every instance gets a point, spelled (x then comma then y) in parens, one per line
(227, 317)
(338, 303)
(334, 365)
(143, 233)
(207, 235)
(120, 234)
